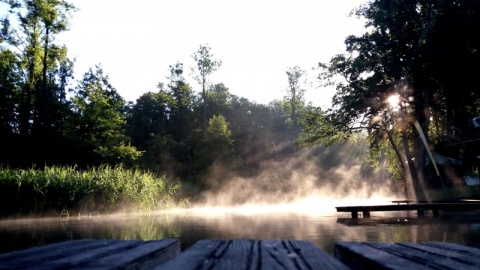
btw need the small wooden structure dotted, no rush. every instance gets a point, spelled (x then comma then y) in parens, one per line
(409, 256)
(419, 207)
(241, 254)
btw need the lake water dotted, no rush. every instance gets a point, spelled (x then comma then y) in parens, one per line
(254, 222)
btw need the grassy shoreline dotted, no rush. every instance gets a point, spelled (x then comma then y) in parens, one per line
(70, 191)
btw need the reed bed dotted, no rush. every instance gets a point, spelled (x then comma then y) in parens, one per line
(69, 190)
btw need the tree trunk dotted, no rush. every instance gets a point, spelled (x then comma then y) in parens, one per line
(45, 121)
(411, 164)
(402, 165)
(204, 92)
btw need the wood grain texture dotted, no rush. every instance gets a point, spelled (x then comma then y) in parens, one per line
(364, 255)
(253, 254)
(93, 254)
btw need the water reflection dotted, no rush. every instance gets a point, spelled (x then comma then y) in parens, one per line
(193, 225)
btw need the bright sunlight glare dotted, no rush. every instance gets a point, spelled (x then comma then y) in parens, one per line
(394, 102)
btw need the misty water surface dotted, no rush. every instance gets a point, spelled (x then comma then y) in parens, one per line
(192, 225)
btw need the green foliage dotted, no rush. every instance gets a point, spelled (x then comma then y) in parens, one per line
(9, 90)
(147, 118)
(218, 144)
(97, 190)
(382, 155)
(219, 100)
(206, 65)
(319, 129)
(218, 129)
(100, 120)
(37, 80)
(408, 50)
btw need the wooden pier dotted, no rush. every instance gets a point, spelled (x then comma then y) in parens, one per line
(408, 256)
(419, 207)
(253, 254)
(241, 254)
(93, 254)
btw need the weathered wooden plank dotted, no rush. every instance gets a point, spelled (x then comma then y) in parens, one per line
(471, 251)
(204, 252)
(253, 254)
(36, 250)
(94, 254)
(313, 256)
(451, 254)
(406, 256)
(39, 255)
(144, 256)
(274, 256)
(424, 257)
(357, 255)
(241, 253)
(89, 255)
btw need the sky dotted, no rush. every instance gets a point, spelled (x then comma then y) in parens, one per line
(257, 41)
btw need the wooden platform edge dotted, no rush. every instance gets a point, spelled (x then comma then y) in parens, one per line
(242, 254)
(378, 255)
(253, 254)
(88, 254)
(419, 207)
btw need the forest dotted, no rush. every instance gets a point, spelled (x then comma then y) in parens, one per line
(190, 141)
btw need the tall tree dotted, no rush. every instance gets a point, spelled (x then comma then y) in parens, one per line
(43, 64)
(179, 96)
(295, 97)
(219, 101)
(101, 119)
(147, 125)
(220, 148)
(9, 92)
(220, 138)
(206, 65)
(399, 55)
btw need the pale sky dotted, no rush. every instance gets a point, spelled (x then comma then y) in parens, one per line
(136, 41)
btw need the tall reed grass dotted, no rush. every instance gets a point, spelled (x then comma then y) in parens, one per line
(68, 190)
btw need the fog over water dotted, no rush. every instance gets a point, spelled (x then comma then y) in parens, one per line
(340, 175)
(298, 221)
(292, 199)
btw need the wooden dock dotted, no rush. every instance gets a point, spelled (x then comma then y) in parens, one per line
(253, 254)
(241, 254)
(419, 207)
(408, 256)
(93, 254)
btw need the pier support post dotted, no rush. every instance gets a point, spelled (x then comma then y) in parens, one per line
(366, 214)
(435, 212)
(354, 214)
(420, 213)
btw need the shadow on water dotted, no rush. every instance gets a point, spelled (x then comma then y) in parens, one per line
(192, 225)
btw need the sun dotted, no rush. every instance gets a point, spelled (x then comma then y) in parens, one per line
(394, 101)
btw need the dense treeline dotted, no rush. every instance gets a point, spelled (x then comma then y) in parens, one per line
(48, 118)
(424, 52)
